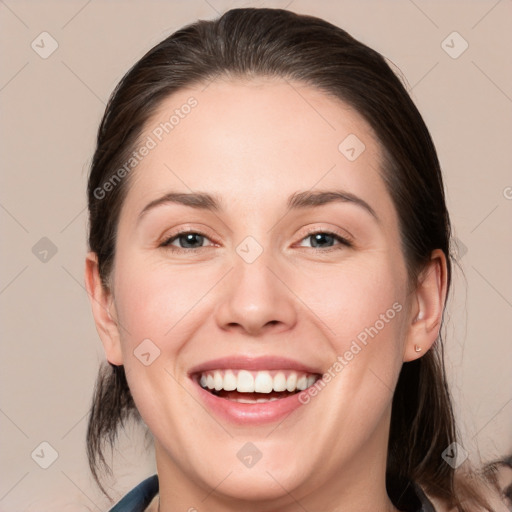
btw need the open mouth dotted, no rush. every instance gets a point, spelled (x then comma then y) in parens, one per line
(252, 387)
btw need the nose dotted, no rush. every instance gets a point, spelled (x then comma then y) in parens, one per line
(255, 298)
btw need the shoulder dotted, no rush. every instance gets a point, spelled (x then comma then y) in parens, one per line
(138, 499)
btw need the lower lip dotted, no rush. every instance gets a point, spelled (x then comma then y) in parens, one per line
(250, 414)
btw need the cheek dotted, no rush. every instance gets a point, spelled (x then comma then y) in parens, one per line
(151, 299)
(356, 296)
(362, 312)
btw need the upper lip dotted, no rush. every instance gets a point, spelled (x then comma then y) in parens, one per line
(240, 362)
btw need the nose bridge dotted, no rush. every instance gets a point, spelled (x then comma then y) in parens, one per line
(253, 278)
(253, 296)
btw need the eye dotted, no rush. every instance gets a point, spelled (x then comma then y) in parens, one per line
(192, 240)
(326, 239)
(187, 240)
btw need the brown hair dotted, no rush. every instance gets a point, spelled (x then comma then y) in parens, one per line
(279, 43)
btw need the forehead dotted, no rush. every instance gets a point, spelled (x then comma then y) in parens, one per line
(249, 140)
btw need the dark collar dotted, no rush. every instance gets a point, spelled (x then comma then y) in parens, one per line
(138, 499)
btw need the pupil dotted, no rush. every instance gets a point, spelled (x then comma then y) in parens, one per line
(190, 238)
(319, 236)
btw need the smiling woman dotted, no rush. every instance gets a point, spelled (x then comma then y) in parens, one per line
(269, 282)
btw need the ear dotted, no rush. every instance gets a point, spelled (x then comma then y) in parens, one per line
(426, 312)
(102, 304)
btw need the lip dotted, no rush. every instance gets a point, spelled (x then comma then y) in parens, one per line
(250, 414)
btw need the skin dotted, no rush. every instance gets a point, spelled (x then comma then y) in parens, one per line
(254, 143)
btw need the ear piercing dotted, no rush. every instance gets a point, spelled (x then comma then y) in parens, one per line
(417, 348)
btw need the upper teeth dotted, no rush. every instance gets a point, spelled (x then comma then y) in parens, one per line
(260, 382)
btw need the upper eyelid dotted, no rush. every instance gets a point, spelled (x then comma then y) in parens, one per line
(170, 238)
(347, 236)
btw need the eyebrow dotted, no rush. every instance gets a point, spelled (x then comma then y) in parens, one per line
(297, 201)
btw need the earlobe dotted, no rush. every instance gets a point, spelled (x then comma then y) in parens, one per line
(428, 307)
(103, 310)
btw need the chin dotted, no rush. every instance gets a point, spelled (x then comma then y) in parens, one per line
(256, 485)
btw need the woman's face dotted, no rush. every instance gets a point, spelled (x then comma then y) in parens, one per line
(278, 285)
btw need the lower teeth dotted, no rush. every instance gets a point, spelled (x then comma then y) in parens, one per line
(254, 401)
(251, 398)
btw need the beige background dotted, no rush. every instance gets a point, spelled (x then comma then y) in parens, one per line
(50, 112)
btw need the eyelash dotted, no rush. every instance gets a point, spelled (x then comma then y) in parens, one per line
(167, 243)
